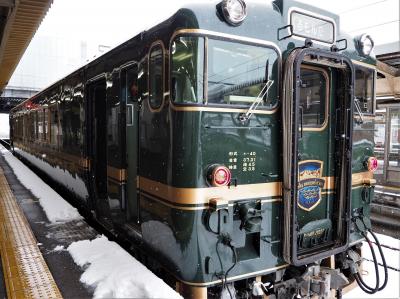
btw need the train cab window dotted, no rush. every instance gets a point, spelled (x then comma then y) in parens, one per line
(237, 73)
(156, 78)
(187, 69)
(364, 90)
(313, 97)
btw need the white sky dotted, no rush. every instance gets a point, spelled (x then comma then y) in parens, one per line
(112, 22)
(56, 48)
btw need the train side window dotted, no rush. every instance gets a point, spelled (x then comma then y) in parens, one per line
(41, 125)
(32, 126)
(114, 120)
(129, 114)
(45, 124)
(313, 97)
(71, 116)
(187, 69)
(53, 125)
(364, 89)
(130, 91)
(36, 115)
(156, 76)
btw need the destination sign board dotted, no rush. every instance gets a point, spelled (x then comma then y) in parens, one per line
(313, 27)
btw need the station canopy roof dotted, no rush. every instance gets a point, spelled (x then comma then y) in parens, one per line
(19, 20)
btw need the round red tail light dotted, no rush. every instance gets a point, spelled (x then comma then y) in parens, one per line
(372, 164)
(219, 176)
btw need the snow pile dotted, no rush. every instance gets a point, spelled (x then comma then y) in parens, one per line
(4, 126)
(392, 257)
(58, 248)
(55, 207)
(116, 274)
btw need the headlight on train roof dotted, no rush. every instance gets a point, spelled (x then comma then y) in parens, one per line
(234, 11)
(365, 44)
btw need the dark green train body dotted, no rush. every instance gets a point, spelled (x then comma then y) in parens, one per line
(225, 152)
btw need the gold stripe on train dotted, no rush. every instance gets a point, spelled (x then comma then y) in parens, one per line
(363, 178)
(203, 195)
(116, 173)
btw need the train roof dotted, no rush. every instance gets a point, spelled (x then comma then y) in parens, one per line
(263, 20)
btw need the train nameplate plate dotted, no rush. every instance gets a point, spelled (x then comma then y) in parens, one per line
(309, 26)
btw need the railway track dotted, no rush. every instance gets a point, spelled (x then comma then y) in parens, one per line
(385, 211)
(5, 143)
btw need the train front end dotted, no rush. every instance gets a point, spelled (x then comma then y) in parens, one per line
(281, 104)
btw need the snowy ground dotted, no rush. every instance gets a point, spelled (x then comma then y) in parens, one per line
(108, 268)
(392, 257)
(4, 126)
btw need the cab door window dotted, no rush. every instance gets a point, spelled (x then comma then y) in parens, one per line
(364, 89)
(313, 97)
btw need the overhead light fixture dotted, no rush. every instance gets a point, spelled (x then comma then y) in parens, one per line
(234, 11)
(365, 44)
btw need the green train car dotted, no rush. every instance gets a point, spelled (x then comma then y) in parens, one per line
(231, 145)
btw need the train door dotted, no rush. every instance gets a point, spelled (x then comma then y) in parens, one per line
(97, 139)
(317, 117)
(115, 143)
(129, 96)
(122, 146)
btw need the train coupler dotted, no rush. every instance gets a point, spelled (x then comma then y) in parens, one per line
(315, 281)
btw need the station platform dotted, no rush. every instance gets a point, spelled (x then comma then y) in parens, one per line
(34, 262)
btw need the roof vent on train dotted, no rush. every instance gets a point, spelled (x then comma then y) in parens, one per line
(233, 11)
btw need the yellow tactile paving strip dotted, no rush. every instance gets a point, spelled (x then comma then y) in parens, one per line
(25, 272)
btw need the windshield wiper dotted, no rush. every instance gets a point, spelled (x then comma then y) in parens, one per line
(264, 91)
(358, 108)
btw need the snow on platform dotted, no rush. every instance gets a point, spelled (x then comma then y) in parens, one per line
(55, 207)
(392, 257)
(4, 126)
(116, 274)
(108, 268)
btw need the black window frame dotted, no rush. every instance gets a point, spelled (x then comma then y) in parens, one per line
(325, 75)
(160, 103)
(373, 85)
(205, 102)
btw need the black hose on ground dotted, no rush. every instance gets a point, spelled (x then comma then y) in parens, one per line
(367, 289)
